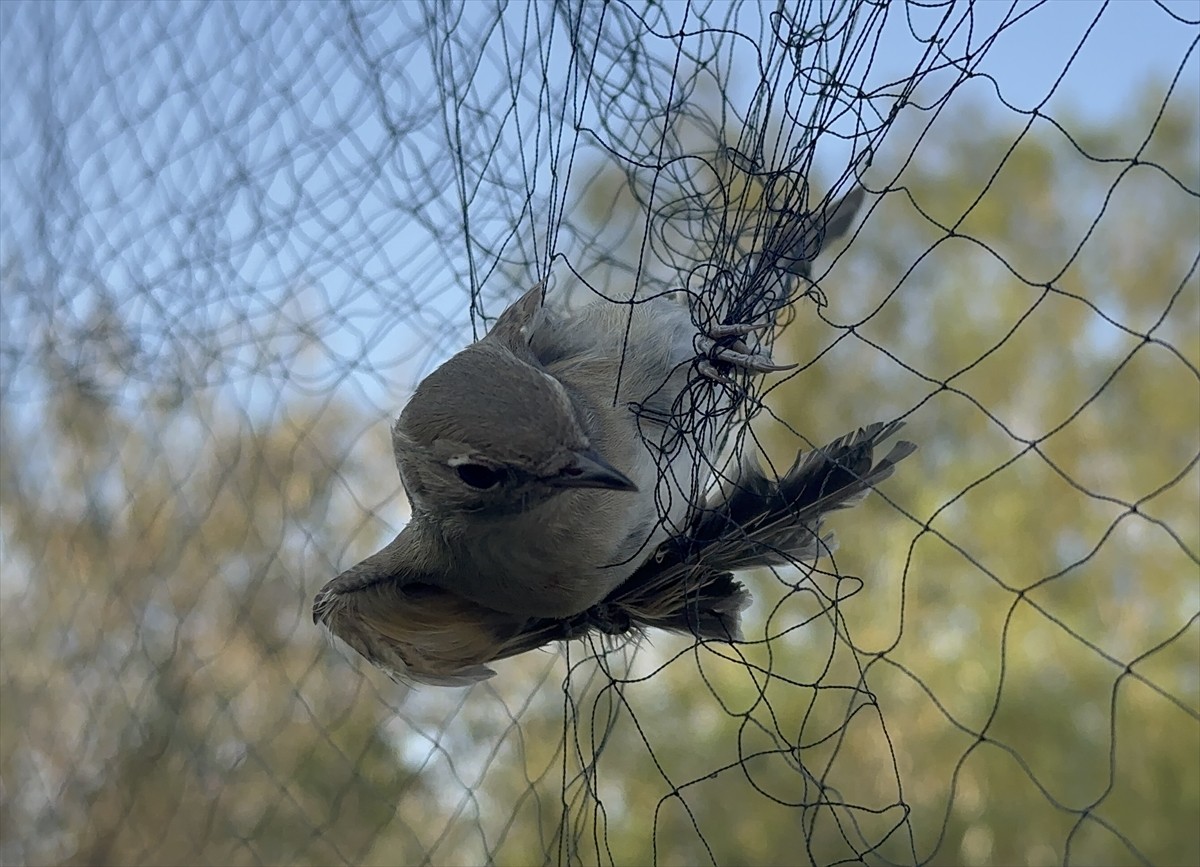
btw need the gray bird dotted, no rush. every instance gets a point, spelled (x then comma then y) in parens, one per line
(549, 462)
(425, 634)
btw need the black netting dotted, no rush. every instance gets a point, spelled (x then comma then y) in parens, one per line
(233, 237)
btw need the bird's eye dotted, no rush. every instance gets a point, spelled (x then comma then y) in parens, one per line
(478, 476)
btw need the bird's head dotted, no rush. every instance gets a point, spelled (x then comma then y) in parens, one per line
(487, 432)
(491, 432)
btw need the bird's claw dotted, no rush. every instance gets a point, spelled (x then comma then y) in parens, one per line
(734, 353)
(706, 369)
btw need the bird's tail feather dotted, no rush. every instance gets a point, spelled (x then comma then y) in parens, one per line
(688, 586)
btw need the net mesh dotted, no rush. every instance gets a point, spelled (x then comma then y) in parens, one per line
(233, 237)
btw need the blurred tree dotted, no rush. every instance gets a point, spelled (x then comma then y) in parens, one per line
(159, 699)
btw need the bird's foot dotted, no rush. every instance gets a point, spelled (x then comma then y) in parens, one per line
(716, 346)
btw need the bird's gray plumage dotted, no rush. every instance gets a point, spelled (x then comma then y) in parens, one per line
(557, 461)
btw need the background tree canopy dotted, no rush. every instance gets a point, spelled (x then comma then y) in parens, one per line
(234, 238)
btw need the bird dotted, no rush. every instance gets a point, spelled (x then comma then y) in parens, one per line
(549, 463)
(423, 634)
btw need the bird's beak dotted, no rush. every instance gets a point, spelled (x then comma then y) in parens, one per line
(589, 470)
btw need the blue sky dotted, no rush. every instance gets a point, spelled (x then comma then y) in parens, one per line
(1130, 41)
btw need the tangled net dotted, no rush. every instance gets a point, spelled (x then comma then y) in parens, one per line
(234, 237)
